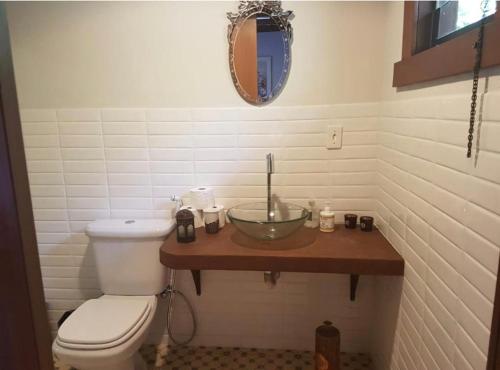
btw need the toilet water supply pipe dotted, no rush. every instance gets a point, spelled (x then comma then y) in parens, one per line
(171, 292)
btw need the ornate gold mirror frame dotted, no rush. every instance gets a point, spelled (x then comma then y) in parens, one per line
(272, 9)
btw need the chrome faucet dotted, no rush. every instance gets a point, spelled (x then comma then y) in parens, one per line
(178, 202)
(270, 171)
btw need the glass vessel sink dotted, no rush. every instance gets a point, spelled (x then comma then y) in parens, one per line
(254, 220)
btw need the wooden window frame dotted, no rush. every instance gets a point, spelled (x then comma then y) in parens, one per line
(449, 58)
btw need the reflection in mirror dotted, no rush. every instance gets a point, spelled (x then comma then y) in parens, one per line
(270, 52)
(259, 50)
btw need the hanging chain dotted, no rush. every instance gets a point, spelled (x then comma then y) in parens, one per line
(475, 81)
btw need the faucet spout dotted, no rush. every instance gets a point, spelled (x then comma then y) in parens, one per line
(270, 163)
(270, 171)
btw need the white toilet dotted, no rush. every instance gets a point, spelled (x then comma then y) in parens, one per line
(106, 333)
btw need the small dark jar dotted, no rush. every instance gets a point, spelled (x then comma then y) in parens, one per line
(211, 216)
(185, 226)
(350, 220)
(366, 223)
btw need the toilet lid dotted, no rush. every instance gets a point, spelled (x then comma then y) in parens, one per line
(98, 322)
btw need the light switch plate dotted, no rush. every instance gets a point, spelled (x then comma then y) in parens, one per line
(334, 137)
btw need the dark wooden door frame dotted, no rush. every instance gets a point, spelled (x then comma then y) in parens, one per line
(25, 336)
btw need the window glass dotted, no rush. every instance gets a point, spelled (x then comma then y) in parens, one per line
(455, 15)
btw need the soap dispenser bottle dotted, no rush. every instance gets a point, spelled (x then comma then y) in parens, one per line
(327, 220)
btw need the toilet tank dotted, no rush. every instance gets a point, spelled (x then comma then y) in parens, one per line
(127, 255)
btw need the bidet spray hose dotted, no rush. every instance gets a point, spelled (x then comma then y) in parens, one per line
(171, 292)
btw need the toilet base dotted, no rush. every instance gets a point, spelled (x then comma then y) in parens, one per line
(134, 363)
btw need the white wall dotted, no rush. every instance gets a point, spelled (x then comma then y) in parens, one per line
(441, 211)
(174, 54)
(111, 115)
(124, 163)
(404, 158)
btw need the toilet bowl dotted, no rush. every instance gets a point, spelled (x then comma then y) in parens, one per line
(106, 333)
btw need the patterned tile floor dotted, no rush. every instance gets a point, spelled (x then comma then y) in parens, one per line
(209, 358)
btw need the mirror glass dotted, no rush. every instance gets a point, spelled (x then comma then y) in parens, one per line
(259, 55)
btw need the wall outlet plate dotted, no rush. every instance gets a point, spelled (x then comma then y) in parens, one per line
(334, 137)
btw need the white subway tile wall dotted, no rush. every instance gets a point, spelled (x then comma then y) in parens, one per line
(441, 211)
(403, 161)
(87, 164)
(238, 309)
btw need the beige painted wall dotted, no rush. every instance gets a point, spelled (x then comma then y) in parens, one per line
(77, 55)
(175, 54)
(97, 163)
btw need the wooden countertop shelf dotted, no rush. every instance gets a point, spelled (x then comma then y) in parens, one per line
(344, 251)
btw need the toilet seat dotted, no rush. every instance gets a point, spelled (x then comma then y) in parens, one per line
(105, 322)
